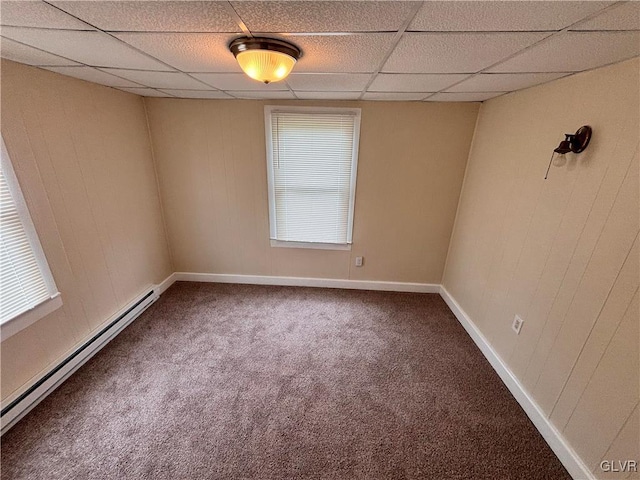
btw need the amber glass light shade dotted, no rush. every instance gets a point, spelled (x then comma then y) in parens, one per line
(265, 59)
(564, 147)
(265, 65)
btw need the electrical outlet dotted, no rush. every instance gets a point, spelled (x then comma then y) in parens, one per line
(359, 261)
(517, 324)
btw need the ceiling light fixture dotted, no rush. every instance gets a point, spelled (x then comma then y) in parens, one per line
(265, 59)
(573, 142)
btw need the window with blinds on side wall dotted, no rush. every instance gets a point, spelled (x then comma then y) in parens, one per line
(312, 156)
(25, 280)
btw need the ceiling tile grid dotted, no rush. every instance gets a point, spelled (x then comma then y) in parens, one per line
(456, 52)
(352, 50)
(463, 96)
(414, 82)
(175, 80)
(154, 16)
(503, 82)
(94, 75)
(92, 48)
(513, 16)
(323, 16)
(37, 14)
(19, 52)
(195, 93)
(236, 81)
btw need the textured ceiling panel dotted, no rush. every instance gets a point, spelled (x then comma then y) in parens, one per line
(574, 51)
(414, 82)
(197, 93)
(328, 82)
(327, 95)
(93, 75)
(463, 97)
(397, 96)
(275, 95)
(31, 56)
(342, 53)
(321, 16)
(455, 52)
(146, 92)
(236, 81)
(159, 79)
(29, 13)
(189, 52)
(469, 16)
(182, 16)
(91, 48)
(622, 17)
(343, 44)
(503, 82)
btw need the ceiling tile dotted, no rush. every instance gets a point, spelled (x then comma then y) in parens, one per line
(189, 52)
(197, 93)
(344, 82)
(165, 16)
(280, 95)
(236, 81)
(91, 48)
(31, 56)
(341, 53)
(414, 82)
(322, 16)
(23, 13)
(145, 92)
(503, 82)
(468, 16)
(455, 52)
(159, 79)
(327, 95)
(623, 17)
(93, 75)
(463, 97)
(574, 51)
(402, 96)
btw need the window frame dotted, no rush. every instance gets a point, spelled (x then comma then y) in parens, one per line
(357, 113)
(21, 321)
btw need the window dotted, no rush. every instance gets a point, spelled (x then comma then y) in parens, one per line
(27, 289)
(312, 156)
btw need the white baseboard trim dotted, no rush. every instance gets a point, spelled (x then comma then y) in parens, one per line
(50, 381)
(569, 458)
(22, 402)
(308, 282)
(166, 283)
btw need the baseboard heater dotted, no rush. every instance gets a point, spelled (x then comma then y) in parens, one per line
(47, 383)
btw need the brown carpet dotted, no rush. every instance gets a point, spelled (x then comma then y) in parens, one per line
(249, 382)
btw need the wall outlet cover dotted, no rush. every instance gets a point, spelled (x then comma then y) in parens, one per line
(517, 324)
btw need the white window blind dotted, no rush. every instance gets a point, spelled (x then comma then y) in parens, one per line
(23, 283)
(312, 162)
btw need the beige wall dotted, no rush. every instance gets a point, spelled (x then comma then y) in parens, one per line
(561, 253)
(82, 156)
(212, 169)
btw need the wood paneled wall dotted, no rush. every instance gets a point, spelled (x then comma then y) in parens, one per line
(82, 156)
(562, 253)
(213, 183)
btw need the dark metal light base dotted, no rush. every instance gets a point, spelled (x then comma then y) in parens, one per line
(580, 141)
(573, 142)
(576, 142)
(243, 44)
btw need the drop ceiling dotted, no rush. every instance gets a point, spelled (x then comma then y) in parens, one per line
(368, 50)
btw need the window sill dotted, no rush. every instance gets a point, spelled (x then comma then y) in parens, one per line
(311, 245)
(22, 321)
